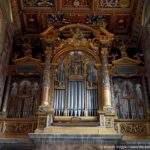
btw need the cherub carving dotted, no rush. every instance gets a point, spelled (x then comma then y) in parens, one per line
(27, 48)
(123, 50)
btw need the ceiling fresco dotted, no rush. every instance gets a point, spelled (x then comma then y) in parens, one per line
(38, 3)
(77, 3)
(114, 3)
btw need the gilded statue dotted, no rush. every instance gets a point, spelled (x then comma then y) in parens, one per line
(76, 67)
(123, 50)
(77, 35)
(27, 48)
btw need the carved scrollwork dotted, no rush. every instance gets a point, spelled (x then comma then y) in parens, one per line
(133, 128)
(16, 128)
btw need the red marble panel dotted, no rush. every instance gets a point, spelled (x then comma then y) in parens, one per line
(31, 23)
(122, 24)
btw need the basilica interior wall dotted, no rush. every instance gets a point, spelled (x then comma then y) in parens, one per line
(146, 49)
(145, 37)
(6, 40)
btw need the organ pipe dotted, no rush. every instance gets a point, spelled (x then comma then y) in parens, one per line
(79, 95)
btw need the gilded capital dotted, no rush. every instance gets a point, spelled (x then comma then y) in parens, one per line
(104, 51)
(48, 50)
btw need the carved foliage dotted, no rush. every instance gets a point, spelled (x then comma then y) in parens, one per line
(114, 3)
(38, 3)
(108, 122)
(22, 128)
(42, 122)
(133, 128)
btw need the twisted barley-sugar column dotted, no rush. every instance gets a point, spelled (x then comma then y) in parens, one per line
(106, 92)
(46, 77)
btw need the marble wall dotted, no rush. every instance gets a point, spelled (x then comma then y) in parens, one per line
(145, 47)
(6, 40)
(145, 38)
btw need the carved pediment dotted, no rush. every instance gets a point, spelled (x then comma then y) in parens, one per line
(28, 65)
(52, 34)
(126, 61)
(27, 61)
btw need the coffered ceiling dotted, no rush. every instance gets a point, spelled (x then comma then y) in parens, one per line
(121, 17)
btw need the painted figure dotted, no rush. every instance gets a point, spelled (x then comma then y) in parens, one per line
(45, 3)
(27, 48)
(114, 3)
(38, 3)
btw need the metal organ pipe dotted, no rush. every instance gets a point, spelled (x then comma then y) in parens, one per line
(68, 97)
(79, 99)
(72, 94)
(78, 96)
(75, 98)
(62, 101)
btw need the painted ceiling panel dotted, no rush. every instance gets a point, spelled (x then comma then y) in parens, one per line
(120, 17)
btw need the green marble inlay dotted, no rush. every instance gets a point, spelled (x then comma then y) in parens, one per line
(127, 70)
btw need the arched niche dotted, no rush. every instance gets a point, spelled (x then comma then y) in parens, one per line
(68, 49)
(75, 90)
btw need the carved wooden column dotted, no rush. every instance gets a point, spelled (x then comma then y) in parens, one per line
(85, 91)
(46, 78)
(106, 91)
(44, 118)
(105, 107)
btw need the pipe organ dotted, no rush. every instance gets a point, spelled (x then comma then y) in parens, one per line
(76, 85)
